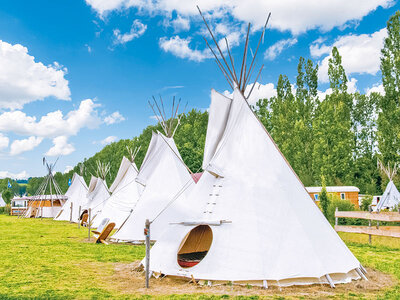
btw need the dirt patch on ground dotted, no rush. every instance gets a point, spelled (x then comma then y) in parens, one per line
(129, 280)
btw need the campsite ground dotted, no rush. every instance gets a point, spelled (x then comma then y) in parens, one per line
(49, 259)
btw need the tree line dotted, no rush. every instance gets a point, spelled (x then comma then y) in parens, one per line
(338, 138)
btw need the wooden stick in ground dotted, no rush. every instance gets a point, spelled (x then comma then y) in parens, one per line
(89, 220)
(147, 267)
(79, 215)
(70, 214)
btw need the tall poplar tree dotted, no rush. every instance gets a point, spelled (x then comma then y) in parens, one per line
(389, 106)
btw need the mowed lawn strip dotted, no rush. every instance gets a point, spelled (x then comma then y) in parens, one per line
(50, 259)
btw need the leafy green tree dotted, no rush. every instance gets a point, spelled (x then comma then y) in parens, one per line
(366, 202)
(389, 108)
(7, 196)
(323, 198)
(333, 137)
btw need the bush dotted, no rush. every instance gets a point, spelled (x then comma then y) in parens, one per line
(5, 210)
(366, 202)
(342, 205)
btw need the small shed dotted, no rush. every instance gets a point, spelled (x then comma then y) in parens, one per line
(349, 193)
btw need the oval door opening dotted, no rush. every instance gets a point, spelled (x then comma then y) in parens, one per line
(195, 246)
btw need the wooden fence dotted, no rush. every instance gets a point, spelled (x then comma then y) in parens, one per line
(391, 231)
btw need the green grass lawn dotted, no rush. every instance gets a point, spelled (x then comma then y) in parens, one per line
(49, 259)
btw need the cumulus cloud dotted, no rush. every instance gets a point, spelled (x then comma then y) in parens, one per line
(376, 88)
(17, 176)
(52, 124)
(60, 147)
(23, 80)
(360, 53)
(272, 52)
(20, 146)
(180, 24)
(351, 88)
(67, 169)
(114, 118)
(108, 140)
(137, 30)
(4, 141)
(180, 48)
(294, 16)
(260, 91)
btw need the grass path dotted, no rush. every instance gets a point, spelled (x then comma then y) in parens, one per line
(49, 259)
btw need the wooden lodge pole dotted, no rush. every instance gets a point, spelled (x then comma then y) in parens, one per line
(369, 225)
(89, 220)
(147, 267)
(79, 215)
(70, 214)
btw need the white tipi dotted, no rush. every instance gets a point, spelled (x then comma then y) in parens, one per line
(77, 198)
(163, 175)
(252, 219)
(125, 193)
(391, 197)
(97, 194)
(2, 202)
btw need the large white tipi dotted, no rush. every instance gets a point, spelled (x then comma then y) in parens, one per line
(252, 219)
(391, 197)
(77, 199)
(163, 175)
(125, 193)
(249, 218)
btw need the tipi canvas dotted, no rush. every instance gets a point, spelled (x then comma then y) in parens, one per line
(251, 219)
(2, 202)
(97, 195)
(163, 175)
(125, 193)
(77, 198)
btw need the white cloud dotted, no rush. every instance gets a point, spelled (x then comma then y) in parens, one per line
(16, 176)
(360, 53)
(22, 80)
(89, 49)
(114, 118)
(108, 140)
(272, 52)
(4, 141)
(180, 24)
(67, 169)
(260, 91)
(376, 88)
(60, 147)
(180, 48)
(137, 30)
(20, 146)
(53, 124)
(295, 16)
(351, 88)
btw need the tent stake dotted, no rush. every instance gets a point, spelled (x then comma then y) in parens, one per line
(361, 274)
(330, 281)
(147, 235)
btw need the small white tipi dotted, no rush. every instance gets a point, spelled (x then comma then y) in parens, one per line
(77, 198)
(125, 193)
(391, 197)
(97, 195)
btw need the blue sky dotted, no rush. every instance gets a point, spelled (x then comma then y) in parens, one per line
(75, 75)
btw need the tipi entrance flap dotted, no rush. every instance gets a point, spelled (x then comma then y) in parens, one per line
(217, 119)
